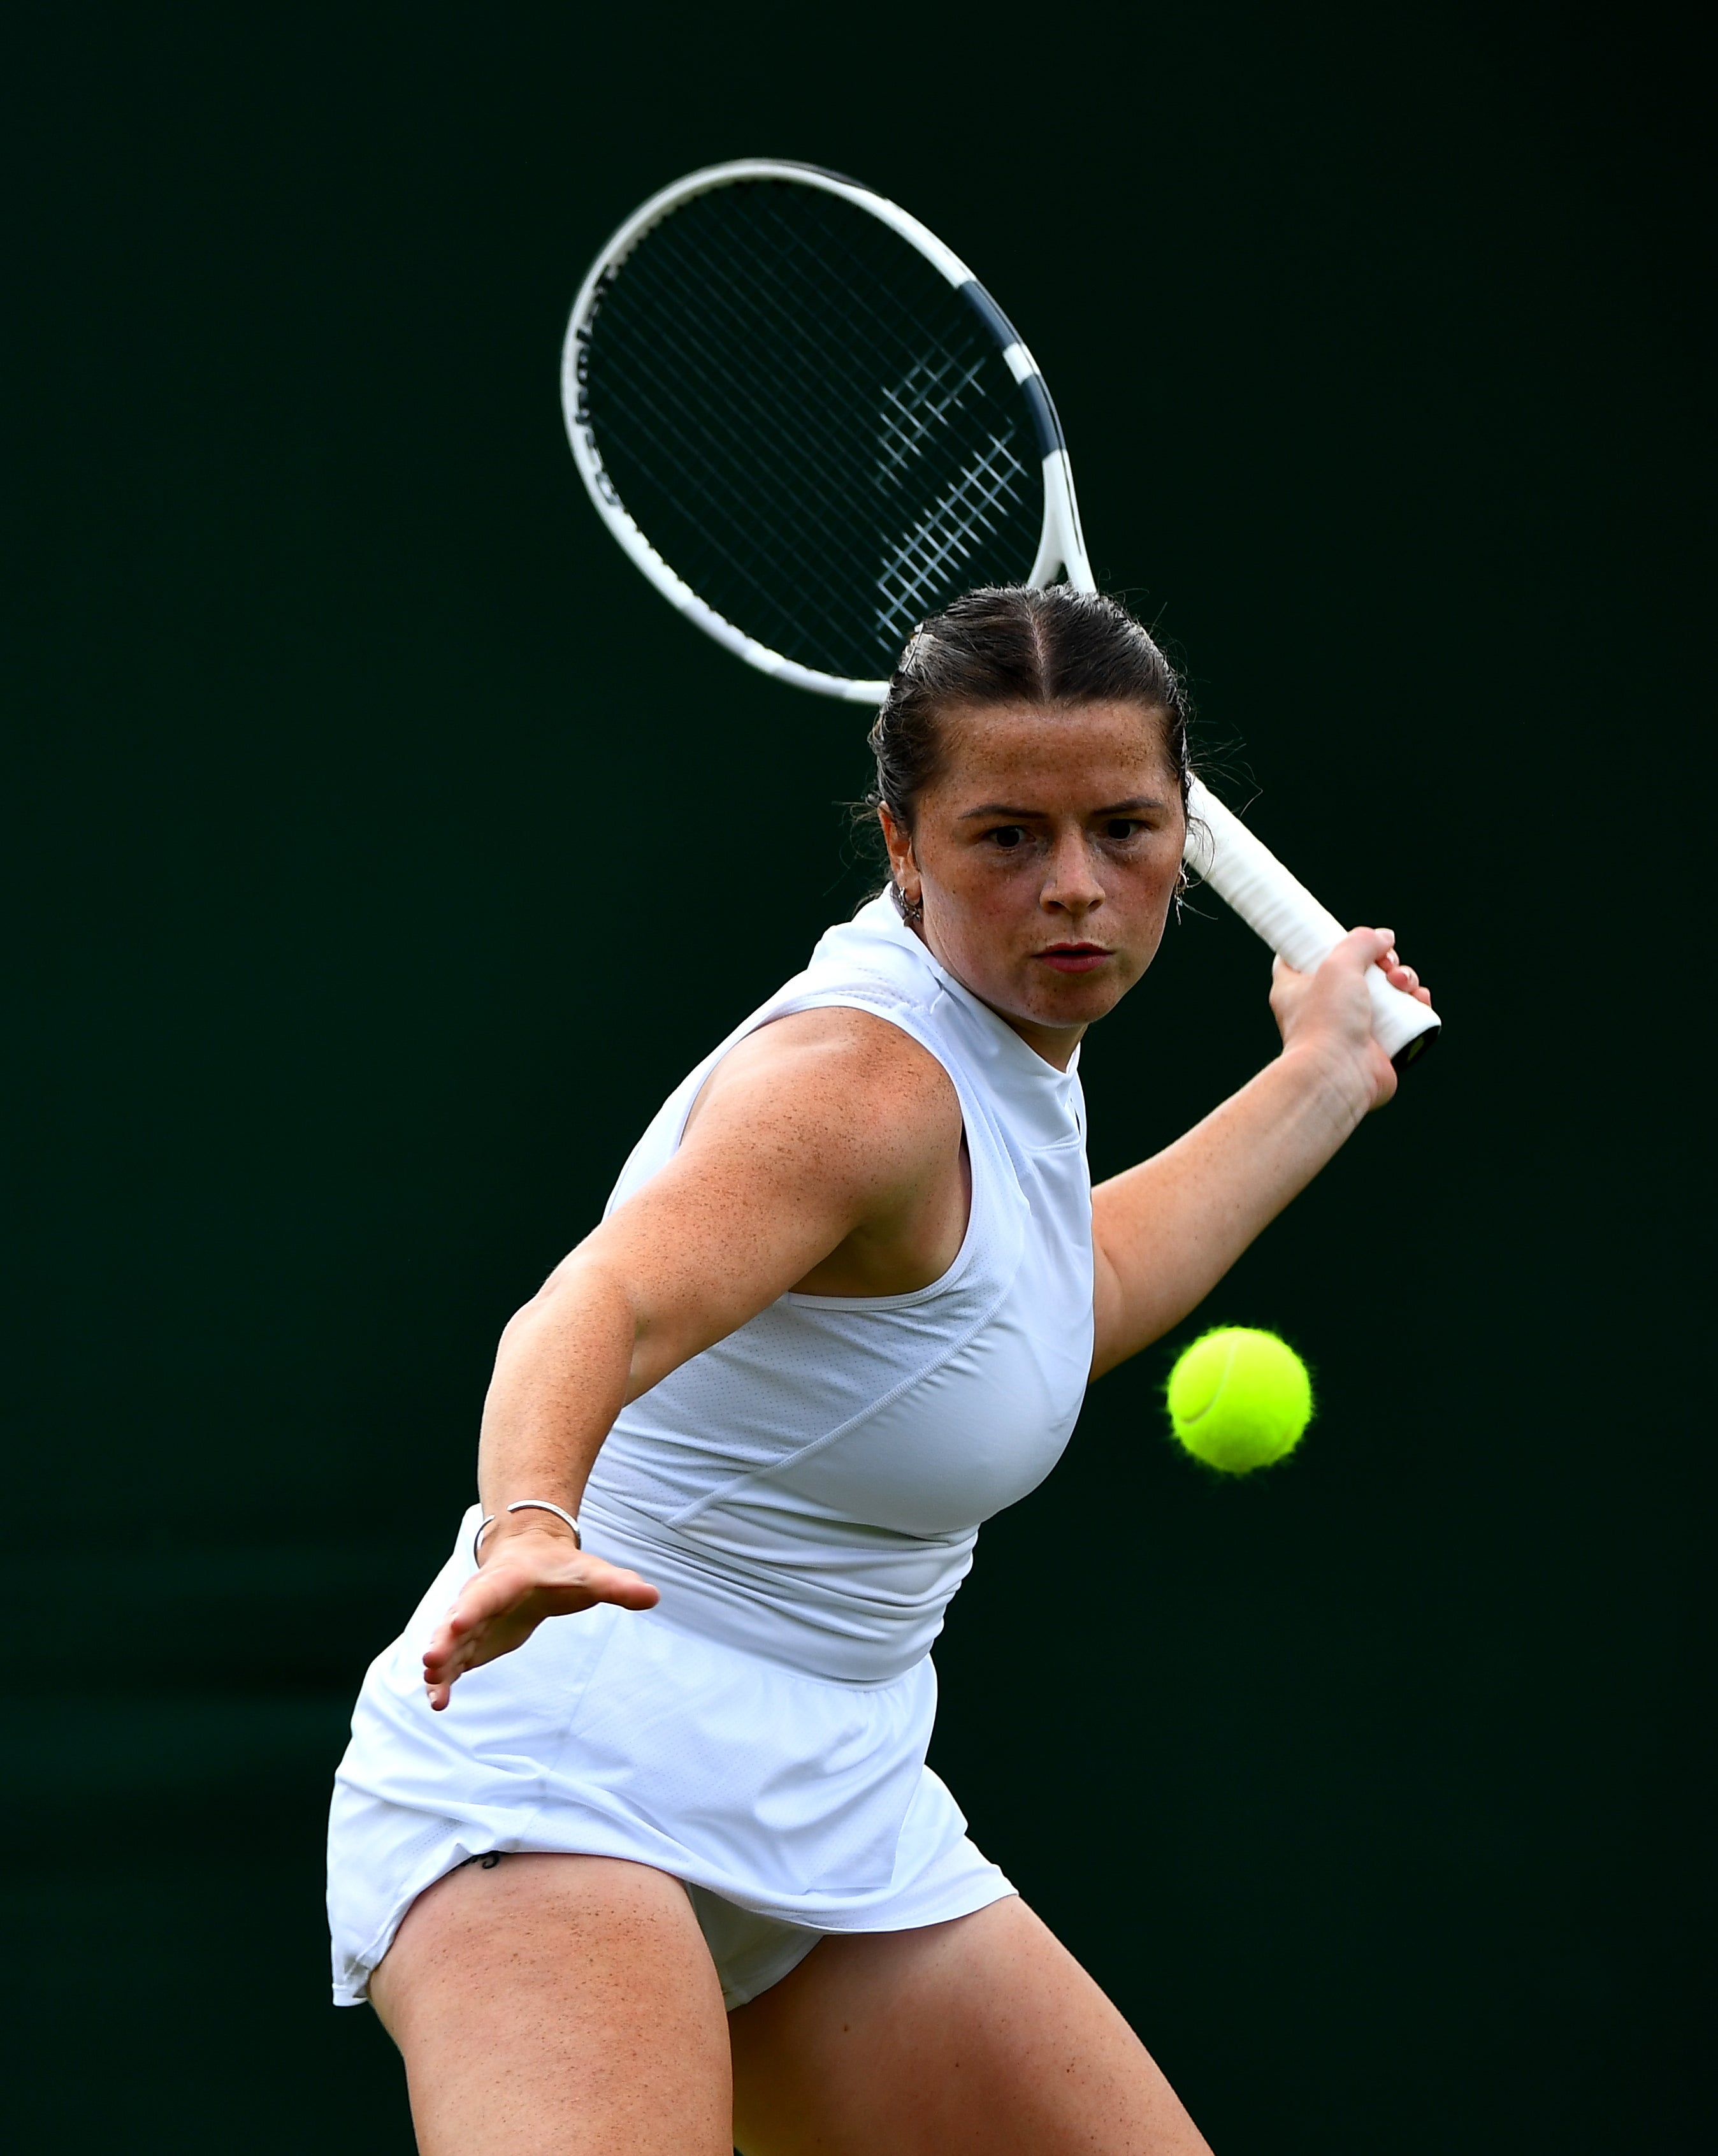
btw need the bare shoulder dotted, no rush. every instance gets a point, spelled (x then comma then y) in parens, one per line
(856, 1089)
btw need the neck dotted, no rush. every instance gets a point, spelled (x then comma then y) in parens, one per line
(1056, 1044)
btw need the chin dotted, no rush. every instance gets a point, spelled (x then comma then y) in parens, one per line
(1082, 1009)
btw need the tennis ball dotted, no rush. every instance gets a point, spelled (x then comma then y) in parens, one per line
(1239, 1399)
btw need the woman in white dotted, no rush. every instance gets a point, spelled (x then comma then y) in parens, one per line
(634, 1846)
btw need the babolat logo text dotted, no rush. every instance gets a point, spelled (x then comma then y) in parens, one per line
(582, 420)
(582, 402)
(599, 292)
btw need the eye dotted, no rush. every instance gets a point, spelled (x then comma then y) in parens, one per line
(1007, 836)
(1121, 828)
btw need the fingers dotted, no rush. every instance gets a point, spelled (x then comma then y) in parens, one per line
(1361, 947)
(1328, 1012)
(1403, 977)
(449, 1655)
(1377, 947)
(501, 1605)
(1372, 946)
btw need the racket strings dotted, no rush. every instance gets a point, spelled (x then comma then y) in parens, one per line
(941, 542)
(907, 429)
(809, 424)
(683, 458)
(816, 348)
(829, 353)
(731, 422)
(709, 440)
(897, 439)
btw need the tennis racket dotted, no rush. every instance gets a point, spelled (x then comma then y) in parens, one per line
(810, 426)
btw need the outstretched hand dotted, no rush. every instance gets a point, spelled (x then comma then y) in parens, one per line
(1328, 1012)
(527, 1575)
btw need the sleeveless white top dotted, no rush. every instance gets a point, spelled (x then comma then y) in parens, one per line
(811, 1487)
(806, 1495)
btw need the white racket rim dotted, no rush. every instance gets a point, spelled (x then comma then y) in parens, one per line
(1061, 545)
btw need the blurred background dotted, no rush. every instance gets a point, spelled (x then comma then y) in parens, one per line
(384, 849)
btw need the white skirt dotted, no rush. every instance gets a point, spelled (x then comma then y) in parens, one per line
(793, 1805)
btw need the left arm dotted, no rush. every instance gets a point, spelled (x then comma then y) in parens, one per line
(1165, 1232)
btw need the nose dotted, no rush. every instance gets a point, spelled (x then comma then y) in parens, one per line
(1071, 886)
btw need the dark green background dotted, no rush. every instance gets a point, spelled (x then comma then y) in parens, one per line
(385, 849)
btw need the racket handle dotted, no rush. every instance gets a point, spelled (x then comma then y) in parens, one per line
(1248, 877)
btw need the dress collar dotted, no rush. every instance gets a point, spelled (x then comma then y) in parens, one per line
(1045, 1099)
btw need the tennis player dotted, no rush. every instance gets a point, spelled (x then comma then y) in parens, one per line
(634, 1846)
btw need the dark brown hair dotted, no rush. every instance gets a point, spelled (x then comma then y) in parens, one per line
(1009, 643)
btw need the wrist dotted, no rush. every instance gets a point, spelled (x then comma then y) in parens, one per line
(504, 1529)
(1333, 1077)
(534, 1517)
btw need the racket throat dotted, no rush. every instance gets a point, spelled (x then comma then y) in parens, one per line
(1061, 546)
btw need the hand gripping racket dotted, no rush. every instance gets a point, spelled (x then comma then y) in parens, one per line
(810, 426)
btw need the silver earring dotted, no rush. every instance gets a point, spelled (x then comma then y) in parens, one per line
(912, 910)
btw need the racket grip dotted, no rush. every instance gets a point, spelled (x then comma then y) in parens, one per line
(1249, 878)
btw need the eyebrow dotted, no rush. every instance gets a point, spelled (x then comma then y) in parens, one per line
(1034, 815)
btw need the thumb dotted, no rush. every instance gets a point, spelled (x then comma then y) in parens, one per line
(1361, 947)
(613, 1583)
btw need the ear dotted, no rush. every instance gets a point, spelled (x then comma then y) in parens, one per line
(902, 866)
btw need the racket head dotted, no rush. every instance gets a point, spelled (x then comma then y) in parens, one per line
(808, 422)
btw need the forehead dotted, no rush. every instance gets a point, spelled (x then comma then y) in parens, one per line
(1052, 747)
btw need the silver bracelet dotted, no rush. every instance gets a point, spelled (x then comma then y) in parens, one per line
(525, 1505)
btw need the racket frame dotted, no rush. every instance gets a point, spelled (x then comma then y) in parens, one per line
(1060, 546)
(1220, 848)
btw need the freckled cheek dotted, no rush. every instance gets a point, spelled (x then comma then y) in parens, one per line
(998, 897)
(1147, 909)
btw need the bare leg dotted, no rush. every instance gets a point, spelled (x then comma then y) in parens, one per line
(982, 2035)
(554, 2005)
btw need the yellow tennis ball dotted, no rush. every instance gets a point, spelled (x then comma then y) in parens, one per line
(1239, 1399)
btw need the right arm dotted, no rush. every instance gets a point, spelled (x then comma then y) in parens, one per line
(828, 1132)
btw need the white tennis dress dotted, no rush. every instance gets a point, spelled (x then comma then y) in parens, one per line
(806, 1495)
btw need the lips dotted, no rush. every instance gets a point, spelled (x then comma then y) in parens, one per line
(1074, 957)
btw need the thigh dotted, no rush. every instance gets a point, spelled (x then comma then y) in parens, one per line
(983, 2034)
(553, 2005)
